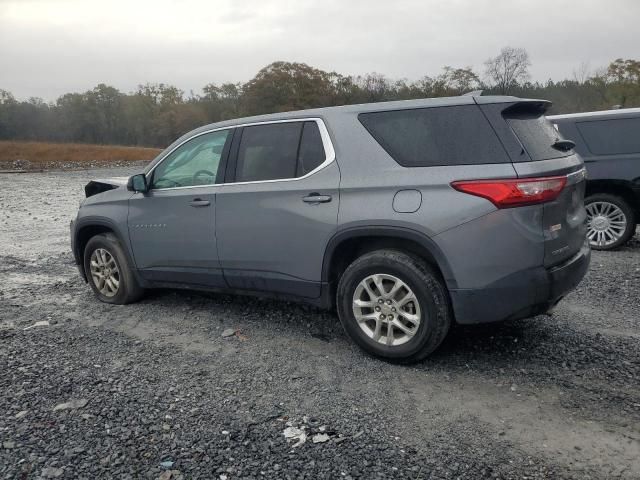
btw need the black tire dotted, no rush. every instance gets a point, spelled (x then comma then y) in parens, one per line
(128, 290)
(426, 285)
(628, 212)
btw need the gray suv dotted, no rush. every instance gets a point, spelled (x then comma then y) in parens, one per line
(609, 143)
(403, 216)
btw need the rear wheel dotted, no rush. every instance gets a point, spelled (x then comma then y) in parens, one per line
(610, 221)
(109, 272)
(393, 305)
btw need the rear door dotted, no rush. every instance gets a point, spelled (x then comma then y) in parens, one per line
(537, 150)
(279, 208)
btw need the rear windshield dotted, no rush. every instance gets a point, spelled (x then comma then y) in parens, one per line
(427, 137)
(536, 134)
(611, 137)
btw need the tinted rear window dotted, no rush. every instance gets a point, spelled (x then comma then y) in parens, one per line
(536, 134)
(268, 152)
(428, 137)
(611, 137)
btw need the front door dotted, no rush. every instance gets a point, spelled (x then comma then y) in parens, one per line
(276, 216)
(172, 227)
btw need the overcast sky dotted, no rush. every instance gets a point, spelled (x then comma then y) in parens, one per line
(50, 47)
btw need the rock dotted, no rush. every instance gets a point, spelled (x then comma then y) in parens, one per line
(320, 438)
(71, 404)
(228, 332)
(42, 323)
(294, 433)
(8, 445)
(166, 464)
(171, 475)
(51, 472)
(21, 413)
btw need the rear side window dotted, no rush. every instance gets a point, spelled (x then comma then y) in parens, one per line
(611, 137)
(434, 136)
(276, 151)
(536, 134)
(268, 152)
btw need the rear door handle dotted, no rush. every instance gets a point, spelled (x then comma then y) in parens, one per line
(198, 202)
(316, 198)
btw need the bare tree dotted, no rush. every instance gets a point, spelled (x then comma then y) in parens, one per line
(508, 68)
(582, 73)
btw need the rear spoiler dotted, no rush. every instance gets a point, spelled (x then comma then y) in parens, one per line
(530, 107)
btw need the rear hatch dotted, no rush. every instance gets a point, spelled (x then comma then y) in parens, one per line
(538, 150)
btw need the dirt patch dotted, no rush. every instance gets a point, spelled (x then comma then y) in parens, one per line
(28, 156)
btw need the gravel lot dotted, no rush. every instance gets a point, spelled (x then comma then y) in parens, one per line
(153, 390)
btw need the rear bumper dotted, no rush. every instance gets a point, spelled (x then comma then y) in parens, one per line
(521, 295)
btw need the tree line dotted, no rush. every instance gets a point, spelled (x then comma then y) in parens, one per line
(156, 114)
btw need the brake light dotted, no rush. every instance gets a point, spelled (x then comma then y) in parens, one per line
(515, 192)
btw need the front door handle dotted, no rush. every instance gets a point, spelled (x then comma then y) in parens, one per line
(198, 202)
(316, 198)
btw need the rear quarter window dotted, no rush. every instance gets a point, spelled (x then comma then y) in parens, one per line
(611, 137)
(425, 137)
(311, 150)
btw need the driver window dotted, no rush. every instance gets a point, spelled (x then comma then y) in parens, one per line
(193, 163)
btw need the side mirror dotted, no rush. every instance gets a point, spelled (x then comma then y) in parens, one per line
(138, 183)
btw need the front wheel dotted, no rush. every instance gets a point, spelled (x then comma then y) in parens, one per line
(610, 221)
(109, 272)
(393, 305)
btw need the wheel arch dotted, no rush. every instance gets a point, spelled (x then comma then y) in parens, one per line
(620, 188)
(347, 245)
(89, 228)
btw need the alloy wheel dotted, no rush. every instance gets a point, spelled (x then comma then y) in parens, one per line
(606, 223)
(104, 272)
(386, 309)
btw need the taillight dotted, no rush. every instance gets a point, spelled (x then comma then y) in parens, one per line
(516, 192)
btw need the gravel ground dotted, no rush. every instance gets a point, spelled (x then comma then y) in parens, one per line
(153, 390)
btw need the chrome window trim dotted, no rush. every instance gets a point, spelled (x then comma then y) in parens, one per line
(330, 154)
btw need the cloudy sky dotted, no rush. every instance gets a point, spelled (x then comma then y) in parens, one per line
(49, 47)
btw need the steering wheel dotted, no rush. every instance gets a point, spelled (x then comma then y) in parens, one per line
(202, 172)
(163, 179)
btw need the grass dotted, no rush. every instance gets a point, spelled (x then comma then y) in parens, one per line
(44, 155)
